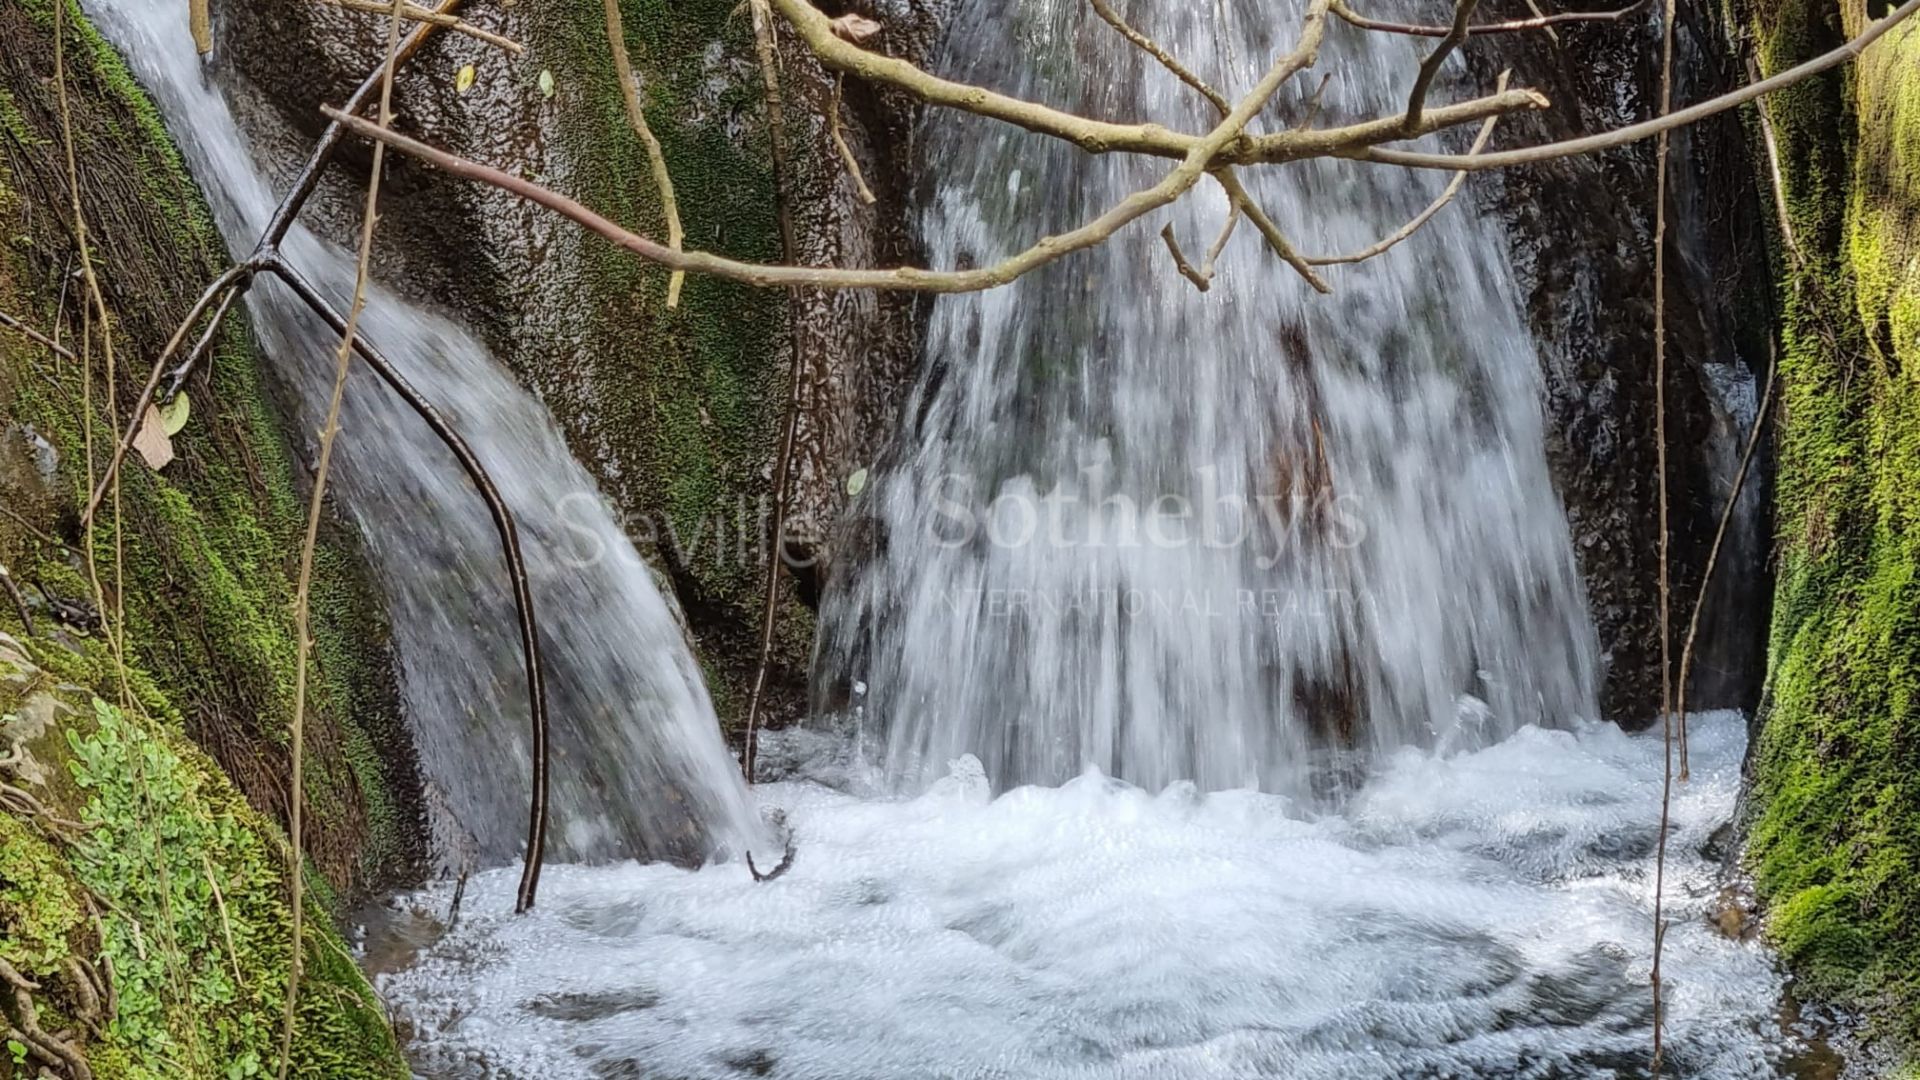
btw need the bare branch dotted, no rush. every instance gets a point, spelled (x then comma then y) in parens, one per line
(1197, 160)
(416, 13)
(1203, 282)
(840, 144)
(1277, 242)
(1430, 67)
(1153, 49)
(1102, 137)
(1453, 188)
(1541, 22)
(1632, 133)
(656, 158)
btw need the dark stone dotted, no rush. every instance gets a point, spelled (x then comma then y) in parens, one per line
(1582, 235)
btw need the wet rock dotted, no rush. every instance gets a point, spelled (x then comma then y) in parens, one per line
(1582, 234)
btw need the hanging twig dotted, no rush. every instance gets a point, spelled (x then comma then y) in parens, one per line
(1660, 456)
(225, 285)
(1713, 552)
(508, 530)
(1453, 188)
(1646, 129)
(790, 421)
(656, 158)
(316, 506)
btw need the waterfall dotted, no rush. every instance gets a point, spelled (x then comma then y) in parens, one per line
(1208, 536)
(638, 764)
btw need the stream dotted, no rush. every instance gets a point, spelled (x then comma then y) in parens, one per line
(1484, 914)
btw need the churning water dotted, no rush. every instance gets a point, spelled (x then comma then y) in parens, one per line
(1195, 536)
(1143, 557)
(1485, 914)
(639, 767)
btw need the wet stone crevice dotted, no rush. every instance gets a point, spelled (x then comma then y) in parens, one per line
(1581, 230)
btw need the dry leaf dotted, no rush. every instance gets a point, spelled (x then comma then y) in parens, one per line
(855, 28)
(464, 80)
(152, 442)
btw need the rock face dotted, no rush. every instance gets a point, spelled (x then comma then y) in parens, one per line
(210, 544)
(1582, 235)
(679, 412)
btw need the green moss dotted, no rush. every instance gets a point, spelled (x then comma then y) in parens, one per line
(684, 404)
(190, 885)
(207, 546)
(39, 906)
(1835, 840)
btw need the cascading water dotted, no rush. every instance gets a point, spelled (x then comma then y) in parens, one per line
(639, 767)
(1195, 536)
(1394, 577)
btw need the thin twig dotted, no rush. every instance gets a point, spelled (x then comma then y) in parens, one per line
(1775, 175)
(19, 601)
(36, 532)
(1276, 241)
(222, 286)
(840, 144)
(1646, 129)
(790, 422)
(656, 158)
(509, 533)
(1713, 552)
(1539, 22)
(416, 13)
(1201, 281)
(1153, 49)
(1430, 67)
(316, 506)
(1453, 188)
(1660, 455)
(36, 336)
(1312, 111)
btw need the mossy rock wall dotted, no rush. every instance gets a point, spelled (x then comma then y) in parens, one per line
(145, 900)
(1835, 837)
(209, 547)
(677, 412)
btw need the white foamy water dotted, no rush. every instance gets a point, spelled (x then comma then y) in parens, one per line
(1486, 914)
(638, 764)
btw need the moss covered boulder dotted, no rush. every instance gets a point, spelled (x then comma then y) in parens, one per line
(1835, 841)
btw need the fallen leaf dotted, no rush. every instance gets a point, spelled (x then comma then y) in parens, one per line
(857, 483)
(152, 442)
(546, 83)
(464, 80)
(173, 415)
(855, 28)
